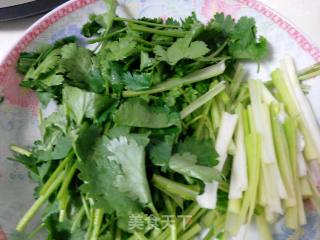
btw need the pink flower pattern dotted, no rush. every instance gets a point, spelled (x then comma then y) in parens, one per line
(211, 6)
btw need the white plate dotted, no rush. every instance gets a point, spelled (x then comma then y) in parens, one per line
(18, 123)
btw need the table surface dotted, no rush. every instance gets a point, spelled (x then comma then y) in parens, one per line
(304, 14)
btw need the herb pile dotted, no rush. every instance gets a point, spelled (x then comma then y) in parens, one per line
(158, 134)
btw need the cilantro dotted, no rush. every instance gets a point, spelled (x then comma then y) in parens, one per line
(137, 81)
(80, 104)
(127, 111)
(121, 49)
(145, 60)
(202, 149)
(100, 175)
(49, 63)
(82, 68)
(131, 157)
(243, 44)
(182, 48)
(160, 151)
(53, 80)
(137, 113)
(26, 60)
(186, 164)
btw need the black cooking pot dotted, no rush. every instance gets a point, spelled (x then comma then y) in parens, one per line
(14, 9)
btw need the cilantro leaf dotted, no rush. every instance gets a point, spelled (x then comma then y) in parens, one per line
(80, 104)
(121, 49)
(202, 149)
(82, 68)
(100, 175)
(49, 63)
(160, 152)
(53, 80)
(243, 44)
(182, 48)
(186, 164)
(136, 113)
(106, 19)
(26, 60)
(137, 81)
(222, 24)
(131, 157)
(145, 60)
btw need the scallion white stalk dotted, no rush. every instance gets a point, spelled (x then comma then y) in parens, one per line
(208, 198)
(239, 178)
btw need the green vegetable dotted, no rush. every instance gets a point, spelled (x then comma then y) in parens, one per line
(159, 121)
(186, 164)
(137, 113)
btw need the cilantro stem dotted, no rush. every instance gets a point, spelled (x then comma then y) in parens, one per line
(139, 236)
(67, 181)
(145, 22)
(309, 75)
(56, 173)
(97, 220)
(310, 69)
(171, 33)
(63, 206)
(191, 232)
(38, 203)
(169, 205)
(35, 231)
(173, 231)
(190, 211)
(202, 100)
(107, 36)
(140, 40)
(20, 150)
(144, 49)
(77, 219)
(197, 76)
(85, 206)
(40, 116)
(153, 210)
(213, 56)
(194, 219)
(90, 227)
(118, 234)
(188, 192)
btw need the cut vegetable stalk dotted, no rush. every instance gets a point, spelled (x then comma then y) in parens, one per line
(208, 198)
(253, 147)
(301, 163)
(188, 192)
(97, 221)
(273, 183)
(237, 81)
(56, 173)
(197, 76)
(38, 203)
(287, 84)
(214, 91)
(283, 157)
(290, 127)
(264, 229)
(171, 33)
(305, 187)
(20, 150)
(239, 178)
